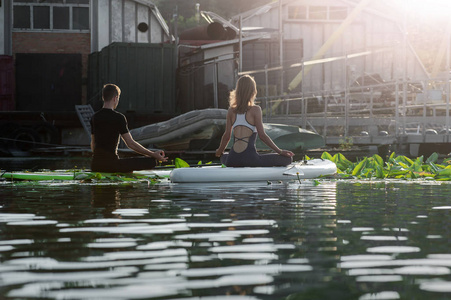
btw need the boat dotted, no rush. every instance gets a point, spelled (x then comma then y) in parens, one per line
(194, 129)
(205, 174)
(203, 129)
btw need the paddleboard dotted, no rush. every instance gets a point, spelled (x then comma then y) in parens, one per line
(55, 175)
(38, 176)
(303, 170)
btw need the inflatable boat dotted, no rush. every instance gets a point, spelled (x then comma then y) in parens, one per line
(203, 129)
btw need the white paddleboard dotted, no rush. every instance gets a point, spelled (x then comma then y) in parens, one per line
(309, 170)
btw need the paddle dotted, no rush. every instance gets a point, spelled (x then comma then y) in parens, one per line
(187, 166)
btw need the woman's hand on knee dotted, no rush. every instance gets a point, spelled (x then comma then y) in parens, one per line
(219, 153)
(286, 153)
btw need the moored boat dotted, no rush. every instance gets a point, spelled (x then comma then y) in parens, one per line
(202, 130)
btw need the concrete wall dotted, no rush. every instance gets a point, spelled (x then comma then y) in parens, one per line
(5, 28)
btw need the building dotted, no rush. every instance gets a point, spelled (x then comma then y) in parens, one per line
(49, 42)
(44, 51)
(342, 41)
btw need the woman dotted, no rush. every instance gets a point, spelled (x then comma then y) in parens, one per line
(244, 118)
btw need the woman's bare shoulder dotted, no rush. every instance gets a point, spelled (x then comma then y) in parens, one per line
(255, 107)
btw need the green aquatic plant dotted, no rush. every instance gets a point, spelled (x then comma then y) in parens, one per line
(396, 167)
(346, 143)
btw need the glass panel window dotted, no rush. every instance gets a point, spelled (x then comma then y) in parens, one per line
(338, 13)
(80, 17)
(318, 12)
(78, 1)
(21, 16)
(60, 17)
(41, 17)
(51, 14)
(297, 12)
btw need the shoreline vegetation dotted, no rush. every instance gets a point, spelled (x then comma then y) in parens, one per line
(396, 167)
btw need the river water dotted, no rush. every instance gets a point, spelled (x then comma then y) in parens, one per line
(332, 240)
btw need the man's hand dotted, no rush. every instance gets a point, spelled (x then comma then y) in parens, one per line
(159, 155)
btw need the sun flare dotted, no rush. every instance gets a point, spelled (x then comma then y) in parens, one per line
(426, 9)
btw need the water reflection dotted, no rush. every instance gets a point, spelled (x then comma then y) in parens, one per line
(335, 240)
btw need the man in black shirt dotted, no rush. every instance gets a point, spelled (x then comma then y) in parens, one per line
(107, 126)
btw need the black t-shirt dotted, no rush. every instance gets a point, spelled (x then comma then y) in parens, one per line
(107, 125)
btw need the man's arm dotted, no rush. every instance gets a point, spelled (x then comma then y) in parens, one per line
(92, 143)
(138, 148)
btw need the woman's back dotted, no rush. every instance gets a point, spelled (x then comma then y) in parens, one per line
(244, 120)
(242, 131)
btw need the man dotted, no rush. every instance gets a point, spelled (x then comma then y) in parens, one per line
(107, 126)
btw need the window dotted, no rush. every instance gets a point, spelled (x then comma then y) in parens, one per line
(297, 12)
(80, 15)
(22, 17)
(317, 12)
(54, 15)
(61, 18)
(41, 17)
(338, 13)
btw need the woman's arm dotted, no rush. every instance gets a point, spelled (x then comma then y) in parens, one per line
(138, 148)
(227, 134)
(258, 122)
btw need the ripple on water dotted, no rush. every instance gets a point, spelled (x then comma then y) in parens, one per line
(436, 286)
(32, 223)
(383, 238)
(393, 249)
(379, 278)
(12, 217)
(132, 212)
(386, 295)
(17, 242)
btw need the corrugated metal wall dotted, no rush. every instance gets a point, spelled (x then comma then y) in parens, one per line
(370, 31)
(144, 72)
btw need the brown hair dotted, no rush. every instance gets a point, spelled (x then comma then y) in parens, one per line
(244, 94)
(110, 91)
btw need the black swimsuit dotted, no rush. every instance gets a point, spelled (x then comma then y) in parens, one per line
(250, 157)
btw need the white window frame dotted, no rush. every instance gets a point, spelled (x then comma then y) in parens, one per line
(308, 17)
(71, 6)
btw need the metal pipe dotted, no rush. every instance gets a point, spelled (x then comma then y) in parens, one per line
(215, 84)
(447, 85)
(266, 93)
(240, 65)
